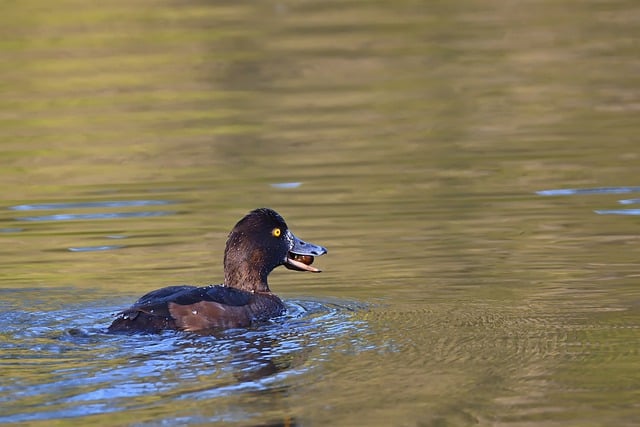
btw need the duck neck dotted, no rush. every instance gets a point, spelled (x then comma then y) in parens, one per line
(246, 275)
(244, 266)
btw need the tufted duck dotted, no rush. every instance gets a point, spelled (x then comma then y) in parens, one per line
(260, 242)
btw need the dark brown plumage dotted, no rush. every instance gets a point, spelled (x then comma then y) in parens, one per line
(259, 242)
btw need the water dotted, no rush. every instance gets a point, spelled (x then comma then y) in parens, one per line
(127, 372)
(471, 168)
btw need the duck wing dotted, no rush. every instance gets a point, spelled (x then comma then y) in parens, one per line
(186, 308)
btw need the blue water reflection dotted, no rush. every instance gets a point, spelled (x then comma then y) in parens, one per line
(629, 201)
(99, 215)
(105, 204)
(95, 248)
(110, 373)
(595, 190)
(599, 190)
(618, 211)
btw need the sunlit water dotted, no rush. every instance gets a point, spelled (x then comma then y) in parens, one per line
(471, 168)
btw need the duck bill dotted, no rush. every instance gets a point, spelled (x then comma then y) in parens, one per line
(302, 255)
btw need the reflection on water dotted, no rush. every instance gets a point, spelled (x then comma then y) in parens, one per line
(110, 204)
(412, 139)
(618, 211)
(629, 201)
(97, 215)
(96, 248)
(579, 191)
(74, 368)
(73, 217)
(601, 190)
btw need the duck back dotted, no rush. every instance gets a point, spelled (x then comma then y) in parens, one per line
(191, 308)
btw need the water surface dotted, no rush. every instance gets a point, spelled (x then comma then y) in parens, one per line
(472, 169)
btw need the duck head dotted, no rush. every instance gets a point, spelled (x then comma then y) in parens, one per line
(260, 242)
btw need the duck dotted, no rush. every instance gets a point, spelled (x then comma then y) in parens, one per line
(257, 244)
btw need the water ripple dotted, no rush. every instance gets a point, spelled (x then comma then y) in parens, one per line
(618, 211)
(595, 190)
(629, 201)
(104, 204)
(286, 185)
(95, 248)
(599, 190)
(89, 372)
(99, 215)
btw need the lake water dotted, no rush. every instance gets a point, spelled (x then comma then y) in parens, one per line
(471, 167)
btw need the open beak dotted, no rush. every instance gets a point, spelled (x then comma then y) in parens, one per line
(302, 254)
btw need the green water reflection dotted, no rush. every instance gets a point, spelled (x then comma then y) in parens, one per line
(419, 133)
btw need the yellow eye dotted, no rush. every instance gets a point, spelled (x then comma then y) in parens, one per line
(276, 232)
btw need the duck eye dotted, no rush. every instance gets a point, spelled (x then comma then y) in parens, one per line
(276, 232)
